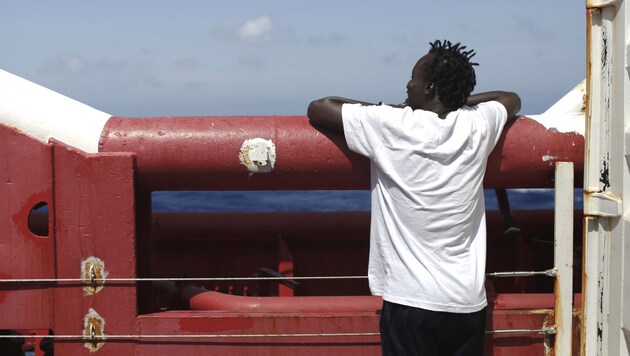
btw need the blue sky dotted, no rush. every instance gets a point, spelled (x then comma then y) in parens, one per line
(203, 57)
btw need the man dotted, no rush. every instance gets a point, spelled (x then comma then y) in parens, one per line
(428, 233)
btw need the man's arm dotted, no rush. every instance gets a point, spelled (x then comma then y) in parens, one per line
(511, 101)
(327, 111)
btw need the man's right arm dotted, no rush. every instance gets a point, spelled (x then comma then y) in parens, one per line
(511, 101)
(327, 111)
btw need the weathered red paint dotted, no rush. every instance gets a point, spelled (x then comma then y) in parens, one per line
(25, 181)
(195, 322)
(526, 154)
(201, 153)
(94, 201)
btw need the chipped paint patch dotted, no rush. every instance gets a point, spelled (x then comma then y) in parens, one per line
(258, 155)
(93, 274)
(93, 331)
(547, 158)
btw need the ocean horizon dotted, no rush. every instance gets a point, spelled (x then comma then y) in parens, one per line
(320, 200)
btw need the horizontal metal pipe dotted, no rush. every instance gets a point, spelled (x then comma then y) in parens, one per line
(200, 299)
(208, 300)
(528, 301)
(203, 153)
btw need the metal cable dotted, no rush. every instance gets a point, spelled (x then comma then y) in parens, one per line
(549, 272)
(184, 336)
(218, 336)
(549, 331)
(175, 279)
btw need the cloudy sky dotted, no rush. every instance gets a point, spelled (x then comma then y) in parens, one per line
(256, 57)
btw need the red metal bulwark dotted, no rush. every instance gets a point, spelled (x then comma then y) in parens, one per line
(201, 153)
(99, 207)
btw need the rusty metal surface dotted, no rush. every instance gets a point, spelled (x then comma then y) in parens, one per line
(202, 153)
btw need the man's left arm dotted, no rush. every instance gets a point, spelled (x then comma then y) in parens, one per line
(511, 101)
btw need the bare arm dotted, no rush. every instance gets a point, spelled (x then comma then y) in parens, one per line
(511, 101)
(327, 111)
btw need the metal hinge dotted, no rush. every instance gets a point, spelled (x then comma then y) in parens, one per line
(602, 204)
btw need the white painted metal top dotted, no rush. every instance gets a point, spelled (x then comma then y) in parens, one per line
(43, 113)
(567, 114)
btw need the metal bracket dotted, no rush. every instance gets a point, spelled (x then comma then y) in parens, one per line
(93, 274)
(93, 331)
(602, 205)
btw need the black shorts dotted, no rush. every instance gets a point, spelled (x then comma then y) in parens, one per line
(414, 331)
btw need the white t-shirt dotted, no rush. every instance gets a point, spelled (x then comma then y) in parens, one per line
(428, 229)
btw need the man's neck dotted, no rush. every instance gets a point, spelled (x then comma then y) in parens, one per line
(438, 109)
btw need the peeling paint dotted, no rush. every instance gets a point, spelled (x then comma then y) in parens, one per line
(604, 174)
(604, 48)
(547, 158)
(93, 274)
(258, 155)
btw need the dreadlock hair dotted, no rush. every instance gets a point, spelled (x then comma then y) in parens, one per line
(452, 73)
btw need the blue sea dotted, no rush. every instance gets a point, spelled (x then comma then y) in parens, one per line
(319, 200)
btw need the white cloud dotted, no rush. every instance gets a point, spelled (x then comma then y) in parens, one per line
(80, 66)
(258, 29)
(74, 65)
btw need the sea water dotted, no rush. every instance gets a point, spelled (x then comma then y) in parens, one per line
(320, 200)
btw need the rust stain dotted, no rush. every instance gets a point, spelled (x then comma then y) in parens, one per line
(93, 274)
(94, 331)
(549, 340)
(540, 311)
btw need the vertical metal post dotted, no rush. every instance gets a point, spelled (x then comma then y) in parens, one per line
(605, 316)
(563, 257)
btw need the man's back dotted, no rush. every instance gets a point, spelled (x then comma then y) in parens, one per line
(428, 216)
